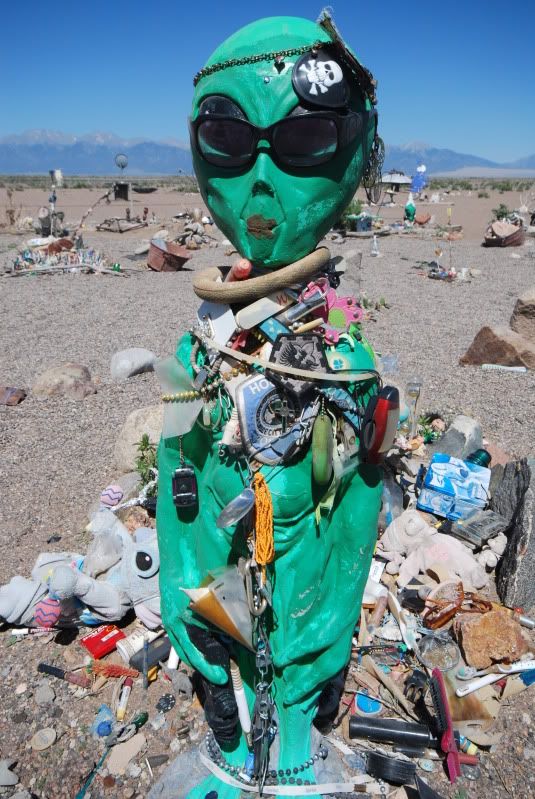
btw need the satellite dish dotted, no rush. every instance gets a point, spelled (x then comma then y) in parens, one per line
(121, 160)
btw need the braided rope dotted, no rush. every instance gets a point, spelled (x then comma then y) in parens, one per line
(265, 543)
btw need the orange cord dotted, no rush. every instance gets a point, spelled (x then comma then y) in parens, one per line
(265, 544)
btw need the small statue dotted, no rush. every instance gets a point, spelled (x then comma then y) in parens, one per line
(267, 513)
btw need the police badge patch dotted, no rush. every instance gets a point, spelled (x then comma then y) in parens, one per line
(274, 425)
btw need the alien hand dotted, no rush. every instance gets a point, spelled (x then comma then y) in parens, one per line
(177, 630)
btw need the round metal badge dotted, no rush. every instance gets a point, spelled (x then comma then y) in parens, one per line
(319, 79)
(165, 703)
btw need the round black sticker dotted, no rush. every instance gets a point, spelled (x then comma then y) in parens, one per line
(319, 79)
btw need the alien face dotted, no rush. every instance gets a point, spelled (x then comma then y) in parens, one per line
(274, 205)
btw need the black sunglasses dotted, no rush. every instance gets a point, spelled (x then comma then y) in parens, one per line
(299, 141)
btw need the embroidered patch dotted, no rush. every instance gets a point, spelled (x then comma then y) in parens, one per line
(304, 351)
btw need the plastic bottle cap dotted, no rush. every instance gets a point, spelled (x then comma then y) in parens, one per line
(103, 728)
(481, 457)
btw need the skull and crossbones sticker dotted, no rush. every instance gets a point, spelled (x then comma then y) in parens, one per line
(319, 79)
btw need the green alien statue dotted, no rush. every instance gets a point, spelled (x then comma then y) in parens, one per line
(261, 478)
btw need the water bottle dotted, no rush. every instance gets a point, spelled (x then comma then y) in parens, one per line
(392, 501)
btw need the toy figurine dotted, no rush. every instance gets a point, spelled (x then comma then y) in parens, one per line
(118, 572)
(267, 513)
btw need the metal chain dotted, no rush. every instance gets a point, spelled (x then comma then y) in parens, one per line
(254, 59)
(374, 167)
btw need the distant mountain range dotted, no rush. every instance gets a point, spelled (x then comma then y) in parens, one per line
(37, 151)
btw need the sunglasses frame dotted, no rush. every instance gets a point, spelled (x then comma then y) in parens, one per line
(341, 121)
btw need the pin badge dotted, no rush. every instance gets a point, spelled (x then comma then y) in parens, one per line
(318, 79)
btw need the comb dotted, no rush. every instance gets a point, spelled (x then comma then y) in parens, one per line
(448, 744)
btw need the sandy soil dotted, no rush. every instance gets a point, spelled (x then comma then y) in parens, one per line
(57, 454)
(468, 210)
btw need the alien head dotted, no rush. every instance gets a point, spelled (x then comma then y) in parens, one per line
(276, 189)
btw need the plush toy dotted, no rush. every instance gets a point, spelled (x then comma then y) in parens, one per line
(259, 467)
(66, 589)
(412, 547)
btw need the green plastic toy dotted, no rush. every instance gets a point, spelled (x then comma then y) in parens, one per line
(274, 193)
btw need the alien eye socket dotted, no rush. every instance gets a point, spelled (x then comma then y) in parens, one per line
(222, 106)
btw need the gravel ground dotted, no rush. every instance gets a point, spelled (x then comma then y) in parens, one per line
(57, 454)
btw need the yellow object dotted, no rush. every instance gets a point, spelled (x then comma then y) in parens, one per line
(152, 674)
(265, 544)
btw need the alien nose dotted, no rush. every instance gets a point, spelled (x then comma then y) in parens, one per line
(262, 187)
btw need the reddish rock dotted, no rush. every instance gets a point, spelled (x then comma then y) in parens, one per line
(498, 455)
(11, 396)
(489, 638)
(523, 318)
(499, 345)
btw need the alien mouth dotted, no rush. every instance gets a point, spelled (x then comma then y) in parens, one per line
(260, 227)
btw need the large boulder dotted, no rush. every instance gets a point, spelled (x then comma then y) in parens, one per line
(68, 380)
(523, 318)
(462, 437)
(130, 362)
(147, 420)
(499, 345)
(514, 498)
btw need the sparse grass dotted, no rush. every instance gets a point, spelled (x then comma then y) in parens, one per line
(481, 184)
(501, 212)
(483, 194)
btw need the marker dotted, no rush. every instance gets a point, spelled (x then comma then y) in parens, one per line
(123, 698)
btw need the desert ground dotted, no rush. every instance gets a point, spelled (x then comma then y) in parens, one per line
(57, 455)
(468, 209)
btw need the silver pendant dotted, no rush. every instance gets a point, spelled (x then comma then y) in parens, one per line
(237, 508)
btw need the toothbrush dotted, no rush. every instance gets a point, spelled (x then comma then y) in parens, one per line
(488, 679)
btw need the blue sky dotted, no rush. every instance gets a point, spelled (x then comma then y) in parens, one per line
(451, 74)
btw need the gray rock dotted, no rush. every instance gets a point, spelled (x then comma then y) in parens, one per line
(462, 437)
(514, 498)
(44, 694)
(130, 362)
(7, 777)
(523, 318)
(147, 420)
(129, 482)
(68, 380)
(133, 770)
(21, 795)
(180, 777)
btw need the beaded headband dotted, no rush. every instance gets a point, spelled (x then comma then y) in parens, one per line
(363, 77)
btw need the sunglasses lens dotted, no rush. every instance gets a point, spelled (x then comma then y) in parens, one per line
(305, 141)
(225, 142)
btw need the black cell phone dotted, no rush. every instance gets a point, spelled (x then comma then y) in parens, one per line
(184, 486)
